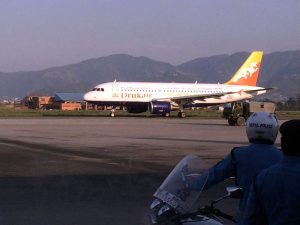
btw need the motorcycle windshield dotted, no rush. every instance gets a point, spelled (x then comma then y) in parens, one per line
(176, 189)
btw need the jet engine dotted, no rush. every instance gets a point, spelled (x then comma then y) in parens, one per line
(158, 107)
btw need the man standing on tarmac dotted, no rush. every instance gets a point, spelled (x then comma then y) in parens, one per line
(275, 195)
(244, 163)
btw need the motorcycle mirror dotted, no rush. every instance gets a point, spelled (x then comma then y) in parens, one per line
(164, 209)
(234, 192)
(155, 203)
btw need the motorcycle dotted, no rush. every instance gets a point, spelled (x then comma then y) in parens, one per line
(174, 201)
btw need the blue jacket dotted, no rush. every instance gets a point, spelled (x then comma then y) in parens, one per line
(275, 196)
(244, 163)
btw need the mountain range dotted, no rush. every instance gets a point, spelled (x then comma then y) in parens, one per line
(280, 70)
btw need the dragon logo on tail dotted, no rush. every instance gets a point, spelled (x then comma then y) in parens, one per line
(247, 72)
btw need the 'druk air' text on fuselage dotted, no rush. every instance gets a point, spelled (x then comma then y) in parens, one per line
(135, 95)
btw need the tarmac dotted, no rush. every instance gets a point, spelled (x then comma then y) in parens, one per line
(86, 171)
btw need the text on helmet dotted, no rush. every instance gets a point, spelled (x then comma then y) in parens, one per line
(262, 125)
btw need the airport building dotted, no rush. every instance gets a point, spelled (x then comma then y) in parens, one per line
(61, 101)
(69, 101)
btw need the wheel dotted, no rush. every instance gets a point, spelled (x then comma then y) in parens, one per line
(166, 114)
(241, 121)
(112, 112)
(181, 114)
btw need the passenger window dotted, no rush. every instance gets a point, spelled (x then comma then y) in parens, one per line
(102, 89)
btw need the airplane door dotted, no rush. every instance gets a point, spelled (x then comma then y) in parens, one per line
(115, 89)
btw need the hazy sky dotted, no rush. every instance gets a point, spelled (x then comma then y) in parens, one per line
(37, 34)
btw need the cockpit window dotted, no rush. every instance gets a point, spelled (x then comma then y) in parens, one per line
(98, 89)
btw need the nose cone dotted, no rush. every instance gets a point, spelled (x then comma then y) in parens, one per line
(88, 96)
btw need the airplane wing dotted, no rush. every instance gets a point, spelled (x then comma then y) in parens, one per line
(198, 97)
(191, 98)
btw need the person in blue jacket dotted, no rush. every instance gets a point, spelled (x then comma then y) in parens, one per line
(275, 195)
(244, 163)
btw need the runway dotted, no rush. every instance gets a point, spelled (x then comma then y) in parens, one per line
(98, 170)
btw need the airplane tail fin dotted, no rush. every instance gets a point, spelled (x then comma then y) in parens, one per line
(248, 72)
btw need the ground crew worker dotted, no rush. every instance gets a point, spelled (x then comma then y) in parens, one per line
(244, 163)
(275, 195)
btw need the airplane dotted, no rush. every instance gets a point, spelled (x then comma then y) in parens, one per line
(162, 98)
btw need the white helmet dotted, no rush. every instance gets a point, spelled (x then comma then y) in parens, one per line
(262, 127)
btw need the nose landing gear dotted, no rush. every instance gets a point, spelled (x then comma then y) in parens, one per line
(112, 112)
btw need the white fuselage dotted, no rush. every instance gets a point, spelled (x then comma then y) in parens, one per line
(142, 92)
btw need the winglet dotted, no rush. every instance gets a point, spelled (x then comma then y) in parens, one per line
(248, 72)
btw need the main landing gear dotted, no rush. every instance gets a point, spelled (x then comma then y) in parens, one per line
(181, 114)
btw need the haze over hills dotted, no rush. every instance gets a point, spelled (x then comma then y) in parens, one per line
(280, 70)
